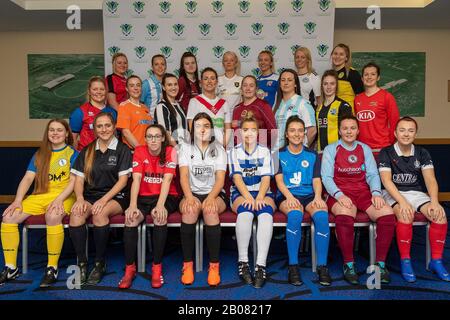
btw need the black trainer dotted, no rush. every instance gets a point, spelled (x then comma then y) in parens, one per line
(385, 277)
(350, 274)
(324, 275)
(97, 273)
(83, 272)
(244, 272)
(8, 274)
(294, 277)
(260, 277)
(49, 278)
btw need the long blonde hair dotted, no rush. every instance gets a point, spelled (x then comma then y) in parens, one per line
(271, 59)
(307, 54)
(346, 48)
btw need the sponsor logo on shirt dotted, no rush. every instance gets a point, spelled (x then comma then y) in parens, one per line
(365, 115)
(153, 178)
(249, 172)
(54, 177)
(404, 178)
(350, 170)
(296, 179)
(144, 122)
(203, 172)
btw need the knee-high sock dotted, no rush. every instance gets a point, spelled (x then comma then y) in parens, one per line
(159, 243)
(404, 239)
(213, 235)
(79, 238)
(321, 236)
(438, 233)
(187, 235)
(264, 236)
(294, 234)
(55, 241)
(130, 239)
(385, 233)
(243, 233)
(345, 233)
(101, 235)
(10, 243)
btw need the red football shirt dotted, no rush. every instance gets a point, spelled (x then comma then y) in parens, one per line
(377, 116)
(184, 95)
(152, 171)
(118, 85)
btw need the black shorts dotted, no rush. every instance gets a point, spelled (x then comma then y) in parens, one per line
(121, 198)
(147, 203)
(202, 197)
(303, 200)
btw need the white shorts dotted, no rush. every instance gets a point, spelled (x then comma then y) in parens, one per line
(416, 198)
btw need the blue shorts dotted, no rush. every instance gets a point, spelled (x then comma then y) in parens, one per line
(304, 200)
(235, 194)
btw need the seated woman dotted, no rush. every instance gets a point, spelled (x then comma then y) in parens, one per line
(152, 192)
(202, 163)
(300, 189)
(53, 196)
(102, 171)
(350, 176)
(251, 169)
(402, 166)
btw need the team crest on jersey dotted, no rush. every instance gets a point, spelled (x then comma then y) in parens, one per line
(269, 83)
(417, 164)
(341, 75)
(112, 161)
(305, 80)
(237, 84)
(213, 153)
(135, 164)
(305, 164)
(62, 162)
(352, 158)
(333, 111)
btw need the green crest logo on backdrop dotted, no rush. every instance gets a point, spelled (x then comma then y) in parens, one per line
(244, 6)
(297, 5)
(112, 6)
(165, 6)
(257, 28)
(310, 27)
(152, 29)
(140, 51)
(280, 70)
(126, 29)
(270, 6)
(294, 48)
(324, 5)
(191, 6)
(149, 72)
(178, 29)
(128, 73)
(113, 50)
(271, 48)
(176, 72)
(283, 28)
(205, 28)
(193, 50)
(166, 51)
(217, 6)
(138, 6)
(218, 51)
(256, 72)
(322, 50)
(231, 28)
(244, 51)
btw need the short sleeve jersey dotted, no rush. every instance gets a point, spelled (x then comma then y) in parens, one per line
(230, 90)
(251, 166)
(153, 171)
(117, 84)
(151, 93)
(107, 168)
(82, 121)
(134, 117)
(202, 165)
(406, 170)
(269, 86)
(310, 87)
(173, 121)
(61, 161)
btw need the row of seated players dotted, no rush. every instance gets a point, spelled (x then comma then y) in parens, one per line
(97, 187)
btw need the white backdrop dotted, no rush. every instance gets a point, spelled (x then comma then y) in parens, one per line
(209, 28)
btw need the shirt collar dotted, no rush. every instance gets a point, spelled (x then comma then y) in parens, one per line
(112, 145)
(399, 152)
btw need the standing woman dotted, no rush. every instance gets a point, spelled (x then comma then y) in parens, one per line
(229, 87)
(151, 87)
(289, 103)
(252, 106)
(376, 110)
(133, 116)
(49, 169)
(116, 81)
(202, 163)
(208, 102)
(268, 80)
(169, 113)
(309, 80)
(350, 176)
(251, 169)
(81, 120)
(152, 192)
(300, 190)
(188, 81)
(350, 83)
(329, 113)
(102, 171)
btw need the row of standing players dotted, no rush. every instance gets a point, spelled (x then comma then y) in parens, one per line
(211, 105)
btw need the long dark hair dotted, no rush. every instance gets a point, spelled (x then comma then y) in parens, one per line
(290, 120)
(164, 143)
(329, 73)
(183, 74)
(280, 93)
(202, 115)
(164, 93)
